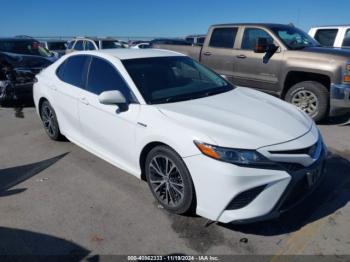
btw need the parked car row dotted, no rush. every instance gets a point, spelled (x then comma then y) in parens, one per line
(179, 122)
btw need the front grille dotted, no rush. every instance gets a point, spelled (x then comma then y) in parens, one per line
(245, 198)
(306, 151)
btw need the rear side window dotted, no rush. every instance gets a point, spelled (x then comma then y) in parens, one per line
(105, 77)
(326, 37)
(346, 42)
(250, 37)
(79, 46)
(72, 71)
(223, 37)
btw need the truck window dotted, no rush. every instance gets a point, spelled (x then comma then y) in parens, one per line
(346, 42)
(326, 37)
(250, 37)
(223, 37)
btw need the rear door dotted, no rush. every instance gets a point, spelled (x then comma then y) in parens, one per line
(67, 88)
(219, 51)
(249, 69)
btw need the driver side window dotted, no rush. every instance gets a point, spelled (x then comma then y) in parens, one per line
(105, 77)
(251, 36)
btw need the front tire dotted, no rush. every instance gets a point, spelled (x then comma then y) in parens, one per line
(311, 97)
(49, 120)
(169, 180)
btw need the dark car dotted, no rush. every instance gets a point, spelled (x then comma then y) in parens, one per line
(169, 41)
(20, 60)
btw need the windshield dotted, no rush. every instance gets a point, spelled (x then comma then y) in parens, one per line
(294, 38)
(25, 48)
(111, 45)
(172, 79)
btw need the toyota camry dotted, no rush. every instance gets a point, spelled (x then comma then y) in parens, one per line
(230, 154)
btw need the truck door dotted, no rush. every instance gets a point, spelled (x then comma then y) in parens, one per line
(218, 52)
(249, 69)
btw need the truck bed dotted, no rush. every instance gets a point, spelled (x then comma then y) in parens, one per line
(191, 51)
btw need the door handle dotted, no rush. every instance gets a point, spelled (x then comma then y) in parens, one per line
(84, 100)
(241, 56)
(207, 53)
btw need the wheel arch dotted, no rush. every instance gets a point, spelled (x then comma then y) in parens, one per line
(143, 155)
(294, 77)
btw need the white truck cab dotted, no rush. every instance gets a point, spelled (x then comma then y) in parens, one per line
(332, 36)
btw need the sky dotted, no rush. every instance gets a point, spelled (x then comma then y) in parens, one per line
(162, 18)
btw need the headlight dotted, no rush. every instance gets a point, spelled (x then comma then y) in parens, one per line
(234, 156)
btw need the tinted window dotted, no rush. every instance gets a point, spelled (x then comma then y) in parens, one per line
(111, 45)
(326, 37)
(346, 42)
(79, 45)
(250, 37)
(190, 39)
(104, 77)
(89, 46)
(200, 40)
(223, 37)
(57, 45)
(60, 70)
(73, 70)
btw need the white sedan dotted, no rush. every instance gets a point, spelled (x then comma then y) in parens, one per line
(228, 153)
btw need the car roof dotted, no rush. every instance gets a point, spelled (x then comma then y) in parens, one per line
(128, 53)
(15, 39)
(96, 38)
(331, 26)
(268, 25)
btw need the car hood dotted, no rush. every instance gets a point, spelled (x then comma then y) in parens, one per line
(241, 118)
(22, 61)
(329, 51)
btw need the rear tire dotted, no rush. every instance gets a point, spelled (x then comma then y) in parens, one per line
(169, 180)
(311, 97)
(49, 119)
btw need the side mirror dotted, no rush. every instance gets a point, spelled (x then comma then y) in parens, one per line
(261, 45)
(114, 97)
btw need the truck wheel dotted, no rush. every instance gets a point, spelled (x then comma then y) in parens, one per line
(311, 97)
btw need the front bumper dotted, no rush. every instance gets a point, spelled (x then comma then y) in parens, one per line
(339, 99)
(222, 189)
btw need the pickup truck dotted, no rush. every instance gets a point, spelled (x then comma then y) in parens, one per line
(332, 36)
(278, 59)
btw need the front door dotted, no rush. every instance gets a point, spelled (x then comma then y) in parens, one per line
(108, 131)
(249, 69)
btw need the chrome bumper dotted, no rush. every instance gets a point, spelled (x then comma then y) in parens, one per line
(339, 99)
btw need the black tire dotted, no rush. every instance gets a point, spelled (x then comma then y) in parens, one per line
(180, 204)
(50, 123)
(317, 102)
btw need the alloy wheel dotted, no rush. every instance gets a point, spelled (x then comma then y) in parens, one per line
(166, 181)
(48, 119)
